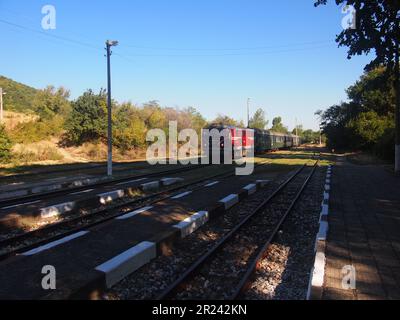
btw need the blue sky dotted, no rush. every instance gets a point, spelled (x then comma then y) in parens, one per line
(210, 54)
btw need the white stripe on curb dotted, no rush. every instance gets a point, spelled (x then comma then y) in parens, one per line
(324, 210)
(21, 204)
(127, 262)
(131, 181)
(55, 243)
(319, 270)
(323, 231)
(181, 195)
(211, 184)
(316, 282)
(149, 186)
(251, 188)
(56, 210)
(191, 224)
(133, 213)
(108, 197)
(230, 201)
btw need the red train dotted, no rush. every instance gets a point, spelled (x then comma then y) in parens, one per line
(246, 142)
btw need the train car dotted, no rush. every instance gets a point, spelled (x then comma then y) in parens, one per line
(278, 140)
(263, 141)
(288, 141)
(248, 142)
(239, 139)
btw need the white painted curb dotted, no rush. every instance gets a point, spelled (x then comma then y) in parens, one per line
(127, 262)
(150, 186)
(230, 201)
(133, 213)
(251, 188)
(55, 243)
(318, 270)
(57, 210)
(181, 195)
(191, 224)
(108, 197)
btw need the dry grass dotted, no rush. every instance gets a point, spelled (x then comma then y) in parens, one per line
(36, 152)
(13, 119)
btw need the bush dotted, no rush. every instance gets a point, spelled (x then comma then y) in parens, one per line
(88, 119)
(35, 131)
(5, 145)
(36, 152)
(385, 145)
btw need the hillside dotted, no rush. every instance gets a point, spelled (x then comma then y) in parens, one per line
(19, 97)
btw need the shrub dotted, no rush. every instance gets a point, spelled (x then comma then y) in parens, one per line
(35, 131)
(5, 145)
(88, 119)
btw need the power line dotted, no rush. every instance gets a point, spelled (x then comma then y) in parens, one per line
(230, 54)
(229, 49)
(88, 45)
(310, 46)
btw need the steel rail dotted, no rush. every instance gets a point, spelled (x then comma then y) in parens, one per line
(190, 272)
(246, 279)
(153, 198)
(60, 192)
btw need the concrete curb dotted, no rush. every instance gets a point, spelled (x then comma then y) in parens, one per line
(316, 283)
(51, 187)
(36, 214)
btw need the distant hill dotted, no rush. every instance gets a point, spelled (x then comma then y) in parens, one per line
(19, 97)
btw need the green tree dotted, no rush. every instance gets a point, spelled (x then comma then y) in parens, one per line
(129, 130)
(378, 29)
(368, 127)
(367, 120)
(224, 120)
(298, 130)
(50, 102)
(278, 126)
(19, 97)
(258, 121)
(88, 118)
(5, 144)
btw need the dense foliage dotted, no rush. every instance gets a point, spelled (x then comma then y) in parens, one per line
(366, 122)
(376, 29)
(19, 97)
(278, 126)
(88, 118)
(5, 144)
(259, 120)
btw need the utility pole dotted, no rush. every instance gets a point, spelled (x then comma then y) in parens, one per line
(109, 44)
(248, 112)
(1, 105)
(295, 120)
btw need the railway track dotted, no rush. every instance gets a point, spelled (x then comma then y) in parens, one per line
(80, 168)
(60, 192)
(24, 242)
(225, 270)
